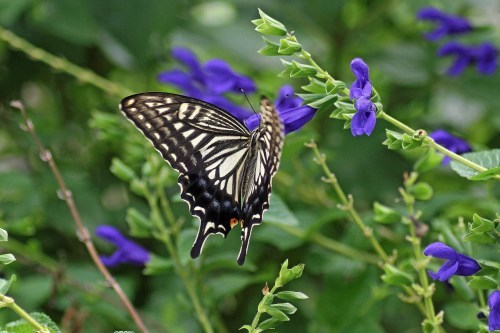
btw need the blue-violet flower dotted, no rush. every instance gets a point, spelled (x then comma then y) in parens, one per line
(494, 317)
(447, 24)
(208, 81)
(292, 113)
(456, 264)
(450, 142)
(363, 121)
(484, 55)
(127, 252)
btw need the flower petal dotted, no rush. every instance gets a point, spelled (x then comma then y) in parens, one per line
(295, 118)
(440, 250)
(363, 122)
(286, 98)
(466, 265)
(494, 317)
(447, 270)
(188, 58)
(109, 233)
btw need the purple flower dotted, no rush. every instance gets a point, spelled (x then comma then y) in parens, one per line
(494, 317)
(293, 114)
(484, 55)
(127, 252)
(450, 142)
(456, 264)
(208, 81)
(363, 121)
(361, 87)
(447, 24)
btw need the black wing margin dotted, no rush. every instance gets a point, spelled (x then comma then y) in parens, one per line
(187, 132)
(271, 138)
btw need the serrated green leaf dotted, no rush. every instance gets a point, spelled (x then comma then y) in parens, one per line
(22, 326)
(291, 295)
(489, 159)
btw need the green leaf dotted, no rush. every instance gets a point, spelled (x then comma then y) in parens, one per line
(483, 282)
(5, 284)
(394, 140)
(291, 295)
(295, 69)
(480, 224)
(270, 323)
(22, 326)
(277, 314)
(3, 235)
(11, 10)
(139, 224)
(487, 270)
(490, 173)
(289, 47)
(384, 214)
(421, 190)
(396, 277)
(279, 212)
(409, 142)
(482, 238)
(121, 170)
(184, 244)
(462, 315)
(489, 159)
(271, 48)
(157, 265)
(315, 86)
(285, 307)
(334, 86)
(269, 26)
(428, 161)
(246, 327)
(6, 259)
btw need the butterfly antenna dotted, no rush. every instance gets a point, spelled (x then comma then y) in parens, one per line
(286, 96)
(244, 93)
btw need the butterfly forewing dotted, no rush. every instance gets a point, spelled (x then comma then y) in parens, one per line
(225, 171)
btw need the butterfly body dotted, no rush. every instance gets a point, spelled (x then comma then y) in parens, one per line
(225, 170)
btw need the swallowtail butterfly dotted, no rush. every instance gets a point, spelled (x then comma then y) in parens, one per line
(225, 170)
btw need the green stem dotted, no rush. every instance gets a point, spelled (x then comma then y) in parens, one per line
(331, 244)
(165, 236)
(395, 122)
(61, 64)
(259, 313)
(9, 302)
(348, 205)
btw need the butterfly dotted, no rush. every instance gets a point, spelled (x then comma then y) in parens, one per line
(225, 171)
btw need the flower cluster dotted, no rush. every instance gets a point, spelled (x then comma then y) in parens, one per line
(484, 55)
(450, 142)
(363, 121)
(209, 81)
(456, 264)
(127, 251)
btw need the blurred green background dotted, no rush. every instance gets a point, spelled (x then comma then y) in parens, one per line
(129, 42)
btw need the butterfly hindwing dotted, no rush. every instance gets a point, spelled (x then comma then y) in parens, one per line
(224, 170)
(270, 138)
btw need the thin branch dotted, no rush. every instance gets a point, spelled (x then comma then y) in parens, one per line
(82, 232)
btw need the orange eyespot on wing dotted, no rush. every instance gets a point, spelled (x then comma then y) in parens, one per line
(233, 222)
